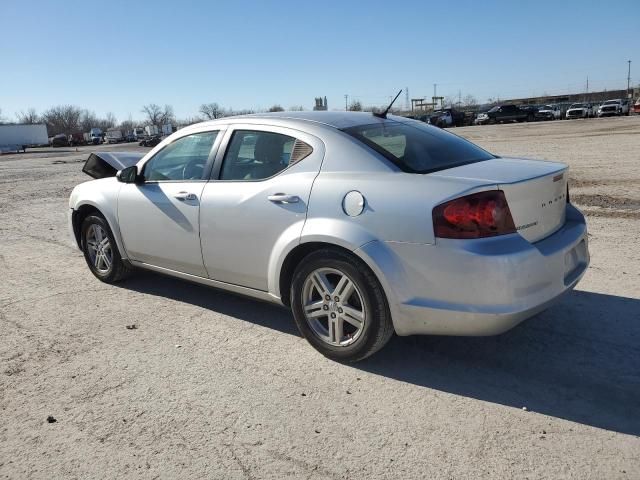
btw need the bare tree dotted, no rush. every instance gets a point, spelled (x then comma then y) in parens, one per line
(469, 101)
(276, 108)
(211, 111)
(231, 112)
(126, 125)
(168, 115)
(88, 120)
(355, 106)
(449, 101)
(111, 120)
(153, 112)
(296, 108)
(29, 117)
(62, 119)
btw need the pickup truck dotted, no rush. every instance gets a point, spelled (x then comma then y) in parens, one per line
(506, 113)
(614, 107)
(446, 117)
(579, 110)
(549, 112)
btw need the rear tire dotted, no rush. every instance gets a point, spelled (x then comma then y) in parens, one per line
(101, 251)
(339, 306)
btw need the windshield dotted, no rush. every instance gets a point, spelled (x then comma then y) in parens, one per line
(577, 105)
(547, 107)
(611, 102)
(418, 148)
(495, 109)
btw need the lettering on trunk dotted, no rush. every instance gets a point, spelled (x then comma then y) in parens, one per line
(526, 225)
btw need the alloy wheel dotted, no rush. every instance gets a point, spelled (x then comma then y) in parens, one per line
(99, 248)
(333, 307)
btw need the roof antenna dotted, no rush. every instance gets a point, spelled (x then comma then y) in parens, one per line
(384, 114)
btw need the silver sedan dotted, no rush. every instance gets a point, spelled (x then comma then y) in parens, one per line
(363, 225)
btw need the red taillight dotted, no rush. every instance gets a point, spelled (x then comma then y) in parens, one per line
(484, 214)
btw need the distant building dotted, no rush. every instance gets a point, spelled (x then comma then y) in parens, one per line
(321, 104)
(592, 97)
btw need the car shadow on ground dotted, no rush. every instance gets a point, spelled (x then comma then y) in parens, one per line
(234, 305)
(579, 360)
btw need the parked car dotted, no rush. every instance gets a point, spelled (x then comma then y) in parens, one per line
(579, 110)
(509, 113)
(446, 117)
(548, 112)
(60, 140)
(636, 106)
(362, 225)
(151, 141)
(614, 107)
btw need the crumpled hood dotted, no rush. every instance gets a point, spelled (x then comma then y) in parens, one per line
(107, 164)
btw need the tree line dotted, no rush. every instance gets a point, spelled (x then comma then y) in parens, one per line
(70, 119)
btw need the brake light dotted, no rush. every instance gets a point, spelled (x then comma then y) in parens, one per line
(484, 214)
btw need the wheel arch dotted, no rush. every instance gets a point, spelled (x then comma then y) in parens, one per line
(375, 256)
(82, 211)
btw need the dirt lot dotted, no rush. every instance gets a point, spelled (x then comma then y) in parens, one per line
(211, 385)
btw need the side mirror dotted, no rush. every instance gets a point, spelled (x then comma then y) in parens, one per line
(128, 175)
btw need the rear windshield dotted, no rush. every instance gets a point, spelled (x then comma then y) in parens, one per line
(418, 148)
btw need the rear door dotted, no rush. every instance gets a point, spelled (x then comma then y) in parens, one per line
(257, 199)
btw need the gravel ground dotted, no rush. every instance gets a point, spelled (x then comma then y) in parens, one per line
(211, 385)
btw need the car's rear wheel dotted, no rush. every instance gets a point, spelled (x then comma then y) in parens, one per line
(101, 252)
(339, 306)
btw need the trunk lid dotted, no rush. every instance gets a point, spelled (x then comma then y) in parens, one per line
(535, 191)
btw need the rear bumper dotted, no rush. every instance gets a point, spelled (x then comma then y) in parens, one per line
(481, 287)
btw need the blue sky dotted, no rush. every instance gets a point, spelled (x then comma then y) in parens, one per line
(116, 56)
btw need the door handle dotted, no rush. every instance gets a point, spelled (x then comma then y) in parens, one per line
(283, 198)
(185, 196)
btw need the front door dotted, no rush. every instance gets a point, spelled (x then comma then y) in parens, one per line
(257, 199)
(159, 217)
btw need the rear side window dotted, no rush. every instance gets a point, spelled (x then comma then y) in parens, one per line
(256, 155)
(417, 147)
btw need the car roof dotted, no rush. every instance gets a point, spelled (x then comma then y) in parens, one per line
(337, 119)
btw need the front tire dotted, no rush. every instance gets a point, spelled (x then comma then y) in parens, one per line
(339, 306)
(101, 251)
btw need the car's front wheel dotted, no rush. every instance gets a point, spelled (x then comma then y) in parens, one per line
(101, 252)
(339, 306)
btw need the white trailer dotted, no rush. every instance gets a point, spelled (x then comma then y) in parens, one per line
(151, 130)
(114, 135)
(14, 138)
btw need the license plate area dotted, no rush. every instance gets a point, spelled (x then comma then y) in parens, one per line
(575, 261)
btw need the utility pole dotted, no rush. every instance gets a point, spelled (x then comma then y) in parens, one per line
(346, 102)
(435, 85)
(628, 76)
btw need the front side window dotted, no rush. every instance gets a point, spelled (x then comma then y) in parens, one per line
(256, 155)
(418, 148)
(183, 159)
